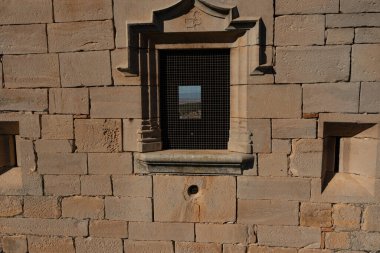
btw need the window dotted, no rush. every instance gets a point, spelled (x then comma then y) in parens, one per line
(8, 130)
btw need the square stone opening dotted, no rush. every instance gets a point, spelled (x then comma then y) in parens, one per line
(8, 131)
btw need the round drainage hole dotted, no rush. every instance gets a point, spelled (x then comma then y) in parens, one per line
(192, 190)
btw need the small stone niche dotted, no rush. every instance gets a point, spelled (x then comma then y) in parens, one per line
(8, 131)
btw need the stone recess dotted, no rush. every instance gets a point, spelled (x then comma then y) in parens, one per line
(221, 233)
(130, 209)
(85, 69)
(369, 94)
(23, 100)
(69, 101)
(151, 247)
(31, 71)
(81, 10)
(106, 164)
(365, 62)
(155, 231)
(294, 128)
(306, 7)
(300, 30)
(214, 202)
(98, 135)
(98, 245)
(312, 64)
(38, 244)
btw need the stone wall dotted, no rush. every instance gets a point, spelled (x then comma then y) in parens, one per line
(75, 188)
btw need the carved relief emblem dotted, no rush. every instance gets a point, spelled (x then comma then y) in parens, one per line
(193, 19)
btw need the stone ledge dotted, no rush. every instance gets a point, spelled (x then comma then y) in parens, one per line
(193, 162)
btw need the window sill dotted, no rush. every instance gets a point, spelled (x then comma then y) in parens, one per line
(193, 162)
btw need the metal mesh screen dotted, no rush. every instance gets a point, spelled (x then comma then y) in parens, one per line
(195, 98)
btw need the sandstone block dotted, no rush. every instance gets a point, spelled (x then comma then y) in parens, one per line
(131, 209)
(267, 212)
(234, 248)
(300, 30)
(371, 218)
(10, 206)
(98, 245)
(285, 101)
(50, 124)
(116, 102)
(50, 244)
(281, 146)
(80, 36)
(294, 128)
(156, 231)
(19, 182)
(315, 215)
(289, 236)
(369, 102)
(340, 36)
(26, 158)
(98, 135)
(83, 207)
(29, 124)
(61, 163)
(23, 100)
(306, 159)
(306, 7)
(132, 186)
(352, 20)
(109, 228)
(262, 188)
(365, 61)
(357, 6)
(85, 69)
(62, 185)
(42, 207)
(69, 101)
(221, 233)
(215, 200)
(25, 12)
(261, 131)
(187, 247)
(31, 71)
(74, 10)
(336, 240)
(365, 241)
(50, 227)
(106, 164)
(151, 247)
(1, 74)
(346, 217)
(264, 249)
(367, 35)
(53, 146)
(23, 39)
(273, 165)
(96, 185)
(14, 244)
(320, 251)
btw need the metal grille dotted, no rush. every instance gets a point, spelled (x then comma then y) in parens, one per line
(198, 124)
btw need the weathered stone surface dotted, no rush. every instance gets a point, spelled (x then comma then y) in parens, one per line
(23, 100)
(98, 245)
(331, 97)
(346, 217)
(53, 146)
(315, 215)
(340, 36)
(155, 231)
(116, 102)
(365, 62)
(262, 188)
(61, 163)
(371, 217)
(352, 20)
(23, 39)
(336, 240)
(132, 186)
(306, 159)
(274, 101)
(80, 36)
(98, 135)
(25, 12)
(261, 132)
(1, 74)
(96, 185)
(214, 202)
(273, 165)
(31, 71)
(130, 209)
(69, 101)
(26, 158)
(312, 64)
(106, 164)
(300, 30)
(83, 207)
(234, 248)
(320, 251)
(50, 124)
(79, 10)
(18, 182)
(367, 35)
(221, 233)
(281, 146)
(85, 69)
(151, 247)
(187, 247)
(10, 206)
(294, 128)
(62, 185)
(267, 212)
(29, 124)
(357, 6)
(50, 244)
(109, 228)
(306, 7)
(41, 207)
(264, 249)
(14, 244)
(295, 236)
(365, 241)
(51, 227)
